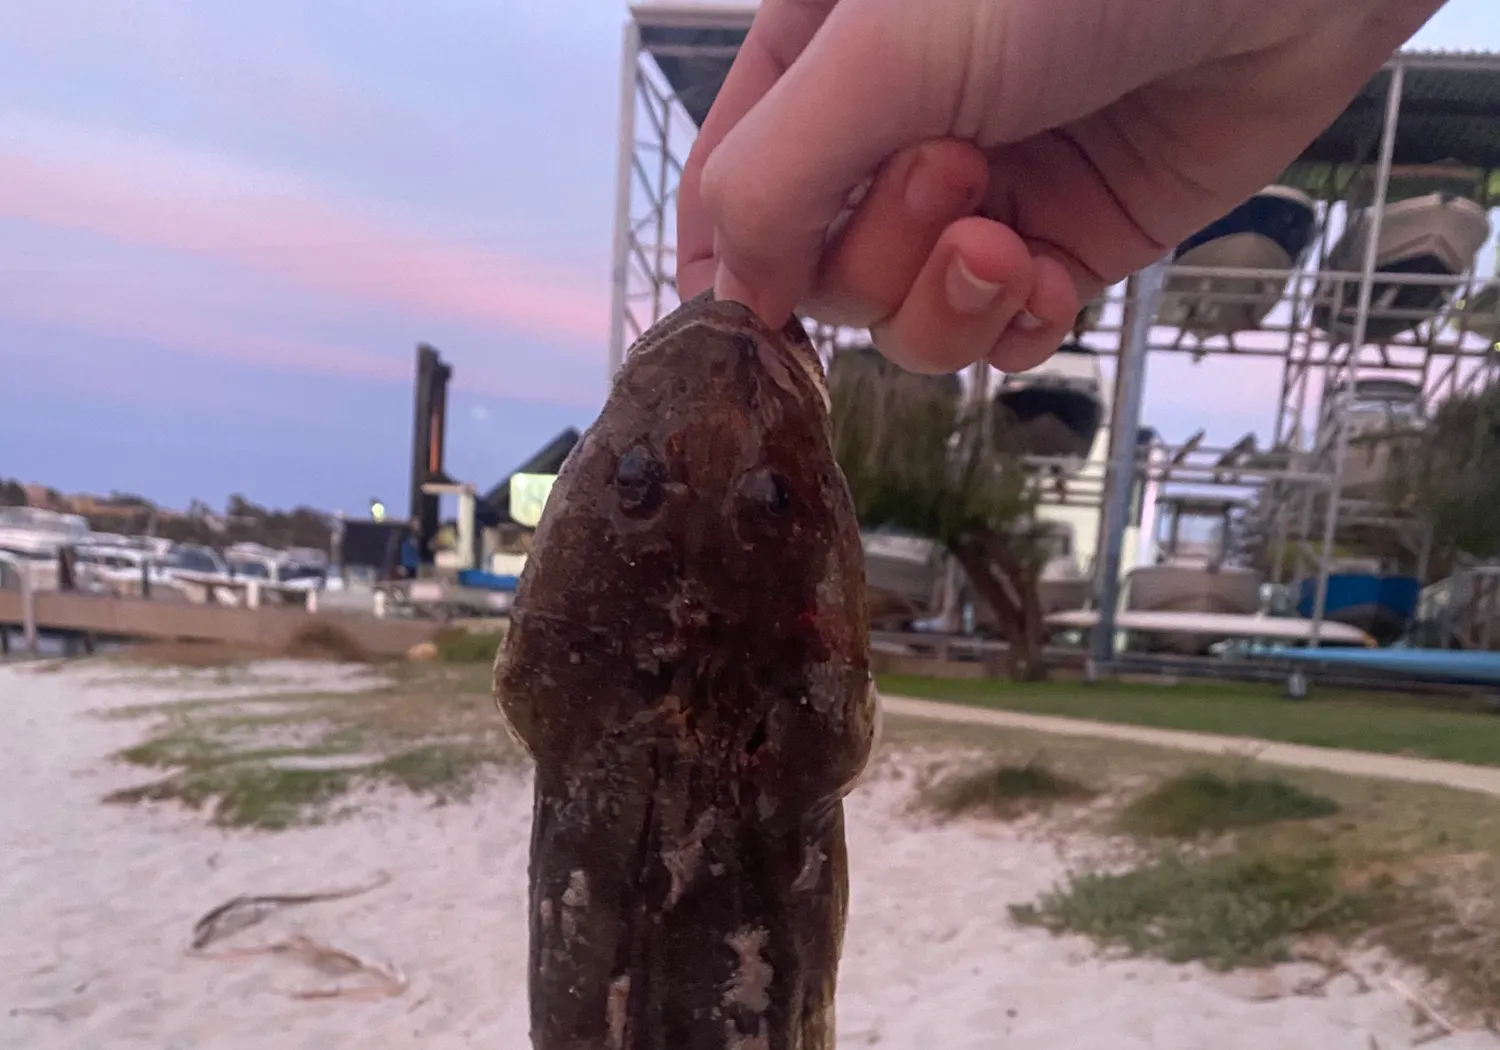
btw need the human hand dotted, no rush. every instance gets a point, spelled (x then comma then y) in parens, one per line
(1025, 154)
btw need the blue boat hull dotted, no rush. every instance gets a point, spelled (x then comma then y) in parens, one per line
(1381, 606)
(1455, 666)
(1287, 222)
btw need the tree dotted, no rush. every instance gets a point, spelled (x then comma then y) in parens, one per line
(12, 493)
(1451, 477)
(918, 459)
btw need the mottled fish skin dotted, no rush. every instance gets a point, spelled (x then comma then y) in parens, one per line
(688, 665)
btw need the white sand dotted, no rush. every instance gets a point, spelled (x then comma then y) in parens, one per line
(99, 902)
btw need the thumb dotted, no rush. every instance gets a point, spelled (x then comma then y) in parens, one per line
(780, 177)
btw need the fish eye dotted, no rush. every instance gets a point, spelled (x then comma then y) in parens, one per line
(764, 494)
(638, 481)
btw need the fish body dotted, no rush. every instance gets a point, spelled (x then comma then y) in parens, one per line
(688, 666)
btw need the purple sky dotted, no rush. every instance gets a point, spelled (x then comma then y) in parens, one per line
(224, 227)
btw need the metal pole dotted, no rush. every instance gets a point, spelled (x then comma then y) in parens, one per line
(1142, 298)
(1361, 323)
(624, 172)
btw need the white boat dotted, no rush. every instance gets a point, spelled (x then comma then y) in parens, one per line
(31, 532)
(1269, 231)
(1061, 585)
(1053, 410)
(902, 574)
(1192, 577)
(1432, 226)
(1217, 626)
(1480, 313)
(1383, 418)
(111, 568)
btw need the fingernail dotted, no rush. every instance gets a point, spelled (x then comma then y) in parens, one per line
(968, 294)
(1027, 321)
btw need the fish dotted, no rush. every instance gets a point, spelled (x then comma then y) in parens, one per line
(688, 667)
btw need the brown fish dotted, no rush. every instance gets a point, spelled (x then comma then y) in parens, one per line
(688, 665)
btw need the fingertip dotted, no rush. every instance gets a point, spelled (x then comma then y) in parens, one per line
(1038, 329)
(693, 278)
(728, 287)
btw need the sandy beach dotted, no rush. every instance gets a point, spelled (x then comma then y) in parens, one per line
(102, 900)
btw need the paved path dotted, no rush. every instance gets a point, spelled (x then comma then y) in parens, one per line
(1485, 779)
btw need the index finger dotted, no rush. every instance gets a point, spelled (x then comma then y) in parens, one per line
(779, 33)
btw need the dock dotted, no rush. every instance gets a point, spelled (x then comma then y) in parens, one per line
(268, 627)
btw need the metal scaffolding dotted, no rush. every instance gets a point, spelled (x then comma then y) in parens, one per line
(1421, 108)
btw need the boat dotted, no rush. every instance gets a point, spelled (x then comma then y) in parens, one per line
(36, 534)
(1454, 666)
(1480, 313)
(1359, 594)
(1192, 577)
(1218, 626)
(1270, 231)
(902, 574)
(1383, 419)
(1061, 586)
(1053, 410)
(112, 568)
(1432, 226)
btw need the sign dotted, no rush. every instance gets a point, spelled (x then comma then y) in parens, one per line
(528, 497)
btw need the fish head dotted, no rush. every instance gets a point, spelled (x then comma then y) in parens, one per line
(698, 566)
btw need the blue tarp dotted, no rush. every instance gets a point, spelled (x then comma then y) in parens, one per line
(486, 581)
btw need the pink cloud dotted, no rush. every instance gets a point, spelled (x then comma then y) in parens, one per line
(276, 224)
(198, 317)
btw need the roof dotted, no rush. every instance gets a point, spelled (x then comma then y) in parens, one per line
(693, 46)
(1450, 100)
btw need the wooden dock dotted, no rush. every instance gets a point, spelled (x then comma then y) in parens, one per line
(270, 628)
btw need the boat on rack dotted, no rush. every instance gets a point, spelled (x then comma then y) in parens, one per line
(1433, 226)
(1480, 313)
(1270, 231)
(1054, 410)
(902, 575)
(1383, 418)
(1359, 594)
(1062, 585)
(1192, 576)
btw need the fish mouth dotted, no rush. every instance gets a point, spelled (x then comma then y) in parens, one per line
(791, 340)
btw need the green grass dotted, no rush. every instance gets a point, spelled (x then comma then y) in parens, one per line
(1203, 801)
(1225, 911)
(455, 645)
(248, 795)
(1005, 791)
(1359, 722)
(433, 732)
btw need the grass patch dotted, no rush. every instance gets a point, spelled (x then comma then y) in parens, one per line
(326, 641)
(1005, 791)
(455, 645)
(247, 795)
(1376, 722)
(1225, 911)
(1203, 801)
(432, 731)
(445, 772)
(1426, 857)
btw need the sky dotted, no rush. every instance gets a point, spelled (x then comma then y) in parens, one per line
(224, 228)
